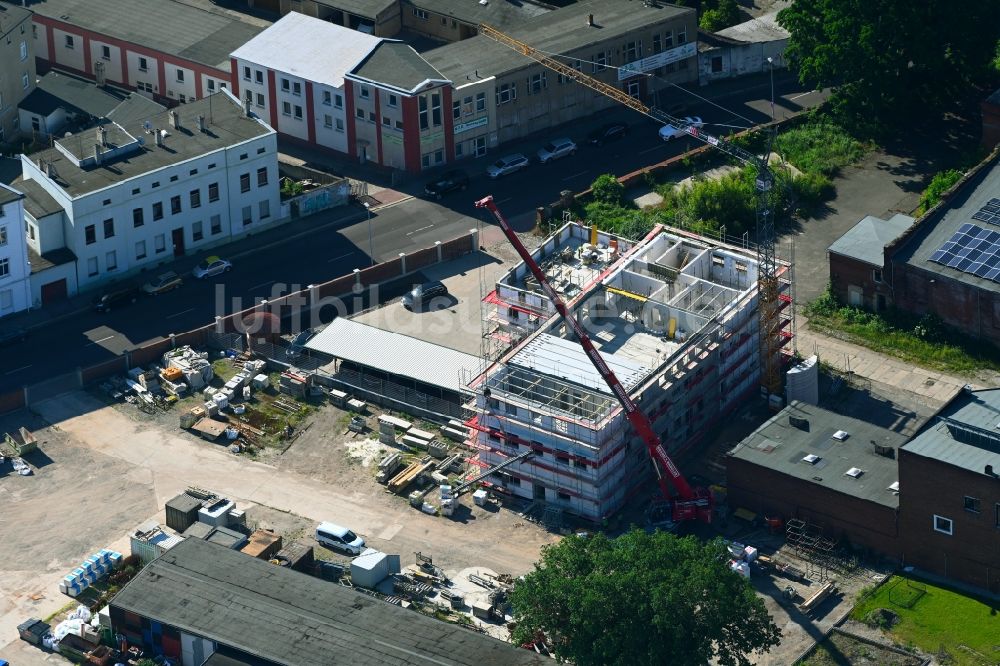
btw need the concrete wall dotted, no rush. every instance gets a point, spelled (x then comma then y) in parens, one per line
(971, 553)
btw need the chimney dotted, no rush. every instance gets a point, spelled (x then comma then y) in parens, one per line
(590, 20)
(97, 154)
(989, 470)
(47, 168)
(201, 123)
(175, 121)
(102, 136)
(246, 108)
(159, 137)
(99, 74)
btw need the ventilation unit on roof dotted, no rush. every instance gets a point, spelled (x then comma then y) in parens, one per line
(840, 435)
(854, 472)
(812, 459)
(894, 487)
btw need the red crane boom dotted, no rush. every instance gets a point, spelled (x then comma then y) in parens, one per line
(690, 502)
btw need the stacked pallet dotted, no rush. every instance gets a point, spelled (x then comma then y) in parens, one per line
(399, 482)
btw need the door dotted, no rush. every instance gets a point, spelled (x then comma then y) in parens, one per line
(880, 302)
(539, 492)
(480, 146)
(633, 89)
(855, 297)
(54, 291)
(177, 237)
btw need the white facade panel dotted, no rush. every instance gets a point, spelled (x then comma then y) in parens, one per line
(143, 73)
(69, 51)
(15, 287)
(111, 56)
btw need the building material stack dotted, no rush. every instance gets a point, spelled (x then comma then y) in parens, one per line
(399, 482)
(193, 365)
(294, 384)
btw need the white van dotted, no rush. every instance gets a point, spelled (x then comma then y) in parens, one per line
(339, 538)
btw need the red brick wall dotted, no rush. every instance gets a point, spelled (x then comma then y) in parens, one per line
(12, 401)
(457, 247)
(421, 259)
(965, 307)
(845, 272)
(150, 353)
(771, 493)
(971, 553)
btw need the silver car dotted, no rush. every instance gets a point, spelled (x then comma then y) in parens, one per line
(507, 165)
(555, 149)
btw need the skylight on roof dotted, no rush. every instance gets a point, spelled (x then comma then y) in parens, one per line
(812, 459)
(840, 435)
(854, 472)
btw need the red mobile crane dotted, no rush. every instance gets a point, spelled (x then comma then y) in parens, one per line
(689, 503)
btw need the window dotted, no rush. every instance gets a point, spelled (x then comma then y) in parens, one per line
(600, 62)
(112, 260)
(180, 76)
(681, 36)
(105, 53)
(579, 463)
(158, 211)
(537, 83)
(264, 208)
(399, 125)
(211, 165)
(668, 39)
(193, 172)
(246, 73)
(562, 496)
(633, 50)
(467, 105)
(25, 81)
(140, 250)
(657, 43)
(247, 215)
(195, 198)
(216, 224)
(716, 64)
(4, 267)
(360, 113)
(877, 275)
(258, 76)
(507, 92)
(386, 121)
(245, 182)
(296, 88)
(365, 92)
(109, 229)
(175, 205)
(436, 109)
(142, 85)
(69, 41)
(261, 150)
(425, 161)
(173, 179)
(393, 101)
(3, 236)
(340, 125)
(137, 218)
(243, 156)
(338, 101)
(196, 232)
(136, 190)
(92, 266)
(260, 100)
(286, 108)
(298, 112)
(456, 109)
(481, 102)
(562, 457)
(971, 504)
(286, 85)
(420, 14)
(262, 177)
(143, 65)
(159, 243)
(24, 50)
(439, 157)
(327, 98)
(211, 85)
(327, 121)
(942, 524)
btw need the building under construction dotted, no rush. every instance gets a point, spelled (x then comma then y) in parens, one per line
(674, 315)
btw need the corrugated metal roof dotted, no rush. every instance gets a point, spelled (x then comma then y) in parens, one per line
(550, 355)
(867, 239)
(972, 450)
(395, 354)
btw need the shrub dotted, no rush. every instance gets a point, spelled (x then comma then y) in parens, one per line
(820, 146)
(811, 190)
(607, 189)
(940, 183)
(723, 15)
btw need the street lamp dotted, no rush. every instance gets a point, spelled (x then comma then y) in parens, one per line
(371, 246)
(770, 62)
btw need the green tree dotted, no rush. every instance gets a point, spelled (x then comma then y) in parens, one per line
(892, 60)
(641, 599)
(940, 183)
(723, 15)
(607, 189)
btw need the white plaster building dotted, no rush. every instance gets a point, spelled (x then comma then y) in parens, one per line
(15, 292)
(126, 197)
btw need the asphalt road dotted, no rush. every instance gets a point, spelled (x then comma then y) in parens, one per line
(344, 240)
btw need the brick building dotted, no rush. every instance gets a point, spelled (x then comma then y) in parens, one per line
(857, 261)
(794, 467)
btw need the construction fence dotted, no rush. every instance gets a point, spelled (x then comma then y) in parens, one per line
(225, 332)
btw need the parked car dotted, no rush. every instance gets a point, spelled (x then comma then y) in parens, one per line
(423, 294)
(294, 350)
(163, 282)
(12, 335)
(211, 266)
(608, 132)
(555, 149)
(668, 132)
(116, 296)
(339, 538)
(447, 182)
(507, 165)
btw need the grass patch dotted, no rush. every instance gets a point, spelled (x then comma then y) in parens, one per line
(224, 369)
(820, 146)
(924, 341)
(957, 629)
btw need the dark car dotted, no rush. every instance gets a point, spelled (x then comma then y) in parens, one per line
(447, 182)
(11, 336)
(609, 132)
(117, 296)
(423, 294)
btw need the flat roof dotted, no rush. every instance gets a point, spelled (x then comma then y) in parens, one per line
(558, 357)
(934, 230)
(563, 30)
(11, 16)
(763, 28)
(37, 201)
(396, 64)
(57, 257)
(501, 15)
(966, 432)
(395, 354)
(60, 90)
(364, 8)
(9, 194)
(166, 26)
(291, 618)
(308, 47)
(225, 124)
(866, 240)
(781, 446)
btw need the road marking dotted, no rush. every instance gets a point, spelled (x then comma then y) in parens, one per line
(23, 367)
(97, 342)
(178, 314)
(262, 284)
(337, 258)
(575, 175)
(802, 95)
(415, 231)
(649, 150)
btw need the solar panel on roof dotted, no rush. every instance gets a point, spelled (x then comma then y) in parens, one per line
(990, 212)
(982, 270)
(972, 249)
